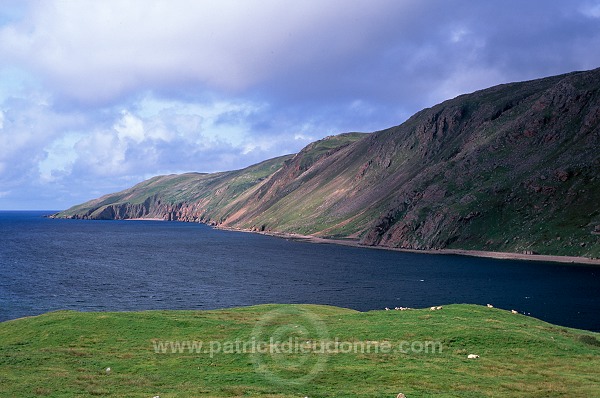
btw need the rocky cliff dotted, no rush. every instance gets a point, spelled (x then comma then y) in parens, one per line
(510, 168)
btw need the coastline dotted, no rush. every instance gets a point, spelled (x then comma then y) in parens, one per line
(145, 219)
(457, 252)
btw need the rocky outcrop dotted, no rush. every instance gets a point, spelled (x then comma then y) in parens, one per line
(510, 168)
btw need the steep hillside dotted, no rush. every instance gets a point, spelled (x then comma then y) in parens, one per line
(511, 168)
(199, 197)
(185, 197)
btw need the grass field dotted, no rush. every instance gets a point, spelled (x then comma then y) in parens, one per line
(296, 351)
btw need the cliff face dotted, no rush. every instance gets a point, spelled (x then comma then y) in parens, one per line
(510, 168)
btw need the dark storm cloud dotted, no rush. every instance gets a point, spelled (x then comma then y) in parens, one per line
(119, 91)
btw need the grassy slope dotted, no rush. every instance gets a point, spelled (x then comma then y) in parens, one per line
(64, 354)
(511, 168)
(214, 196)
(210, 189)
(480, 171)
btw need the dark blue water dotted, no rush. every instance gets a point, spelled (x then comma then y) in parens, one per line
(50, 264)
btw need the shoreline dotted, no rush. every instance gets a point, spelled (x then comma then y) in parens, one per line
(145, 219)
(457, 252)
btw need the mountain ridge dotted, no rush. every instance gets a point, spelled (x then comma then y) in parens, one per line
(511, 168)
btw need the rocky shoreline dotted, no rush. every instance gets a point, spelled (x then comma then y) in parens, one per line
(458, 252)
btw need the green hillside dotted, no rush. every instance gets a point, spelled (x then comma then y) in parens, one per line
(65, 354)
(512, 168)
(159, 196)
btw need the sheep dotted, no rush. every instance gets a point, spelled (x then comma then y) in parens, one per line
(400, 396)
(514, 312)
(438, 307)
(490, 306)
(473, 356)
(387, 309)
(107, 370)
(432, 308)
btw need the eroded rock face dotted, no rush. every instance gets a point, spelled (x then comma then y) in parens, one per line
(485, 155)
(510, 168)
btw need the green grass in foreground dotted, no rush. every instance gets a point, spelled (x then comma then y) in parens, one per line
(65, 354)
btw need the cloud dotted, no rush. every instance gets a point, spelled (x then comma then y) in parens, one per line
(163, 137)
(94, 51)
(97, 95)
(28, 123)
(591, 9)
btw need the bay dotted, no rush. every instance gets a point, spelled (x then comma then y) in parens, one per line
(48, 265)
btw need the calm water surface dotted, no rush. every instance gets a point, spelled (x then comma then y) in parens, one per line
(49, 264)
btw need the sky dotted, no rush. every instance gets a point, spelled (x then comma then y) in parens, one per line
(96, 96)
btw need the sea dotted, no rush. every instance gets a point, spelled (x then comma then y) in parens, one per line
(56, 264)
